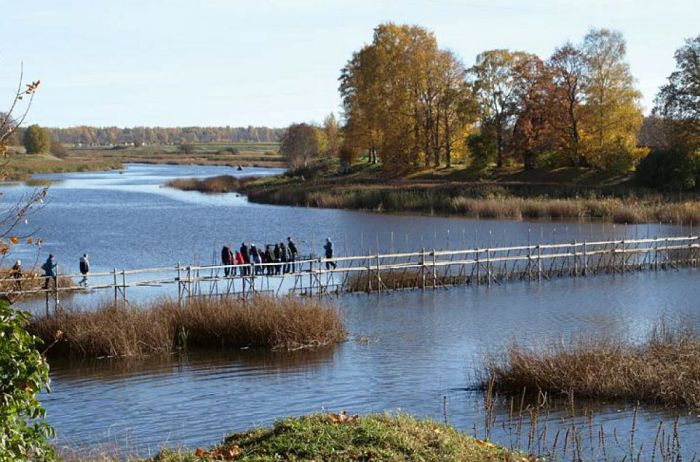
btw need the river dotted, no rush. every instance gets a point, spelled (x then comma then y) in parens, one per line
(410, 351)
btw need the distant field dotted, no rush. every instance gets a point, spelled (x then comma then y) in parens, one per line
(249, 154)
(20, 166)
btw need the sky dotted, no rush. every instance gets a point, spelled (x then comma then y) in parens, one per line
(273, 62)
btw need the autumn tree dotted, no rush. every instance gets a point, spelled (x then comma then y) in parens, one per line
(404, 99)
(36, 139)
(331, 134)
(533, 131)
(612, 116)
(496, 86)
(568, 71)
(300, 144)
(678, 102)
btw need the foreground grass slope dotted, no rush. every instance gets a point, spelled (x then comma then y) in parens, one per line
(340, 438)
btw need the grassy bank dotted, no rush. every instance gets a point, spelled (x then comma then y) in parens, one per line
(340, 438)
(479, 201)
(227, 155)
(501, 198)
(163, 327)
(20, 167)
(664, 369)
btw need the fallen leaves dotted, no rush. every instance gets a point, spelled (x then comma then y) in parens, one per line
(341, 418)
(230, 453)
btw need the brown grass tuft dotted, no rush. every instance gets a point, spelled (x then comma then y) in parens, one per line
(665, 369)
(276, 323)
(213, 185)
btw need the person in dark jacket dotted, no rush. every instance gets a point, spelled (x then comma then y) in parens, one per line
(269, 258)
(255, 258)
(278, 259)
(246, 259)
(16, 275)
(226, 260)
(84, 269)
(49, 268)
(328, 247)
(284, 258)
(292, 254)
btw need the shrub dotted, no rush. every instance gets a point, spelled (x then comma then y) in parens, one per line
(58, 150)
(483, 150)
(23, 373)
(36, 139)
(186, 148)
(669, 169)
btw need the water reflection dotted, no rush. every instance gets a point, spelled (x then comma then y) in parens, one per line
(245, 360)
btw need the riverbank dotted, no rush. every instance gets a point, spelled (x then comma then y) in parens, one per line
(343, 438)
(663, 369)
(572, 196)
(263, 155)
(20, 167)
(164, 327)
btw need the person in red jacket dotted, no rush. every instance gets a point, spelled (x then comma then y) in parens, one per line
(239, 261)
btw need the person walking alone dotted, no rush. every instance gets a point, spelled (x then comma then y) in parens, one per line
(49, 268)
(84, 269)
(328, 247)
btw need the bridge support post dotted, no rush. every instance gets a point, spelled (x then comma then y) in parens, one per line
(116, 287)
(422, 267)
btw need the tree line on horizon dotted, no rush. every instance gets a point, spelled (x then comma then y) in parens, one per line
(138, 136)
(408, 105)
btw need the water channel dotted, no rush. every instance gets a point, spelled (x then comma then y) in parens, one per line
(410, 351)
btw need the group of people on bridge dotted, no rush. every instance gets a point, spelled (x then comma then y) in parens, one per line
(278, 259)
(273, 260)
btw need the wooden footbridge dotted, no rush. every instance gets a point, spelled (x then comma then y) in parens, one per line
(422, 270)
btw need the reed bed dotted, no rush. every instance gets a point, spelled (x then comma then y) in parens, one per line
(408, 279)
(664, 369)
(213, 185)
(485, 202)
(163, 327)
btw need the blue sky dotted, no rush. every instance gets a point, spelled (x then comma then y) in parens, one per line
(273, 62)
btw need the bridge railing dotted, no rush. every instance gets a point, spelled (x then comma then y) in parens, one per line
(419, 269)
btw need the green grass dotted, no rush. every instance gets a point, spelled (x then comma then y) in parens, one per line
(322, 437)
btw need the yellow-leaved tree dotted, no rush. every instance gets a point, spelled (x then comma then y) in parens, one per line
(611, 114)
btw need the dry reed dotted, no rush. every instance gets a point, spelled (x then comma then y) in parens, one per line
(217, 184)
(161, 328)
(665, 369)
(482, 202)
(29, 282)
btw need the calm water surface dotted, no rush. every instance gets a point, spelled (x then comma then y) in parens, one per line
(418, 352)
